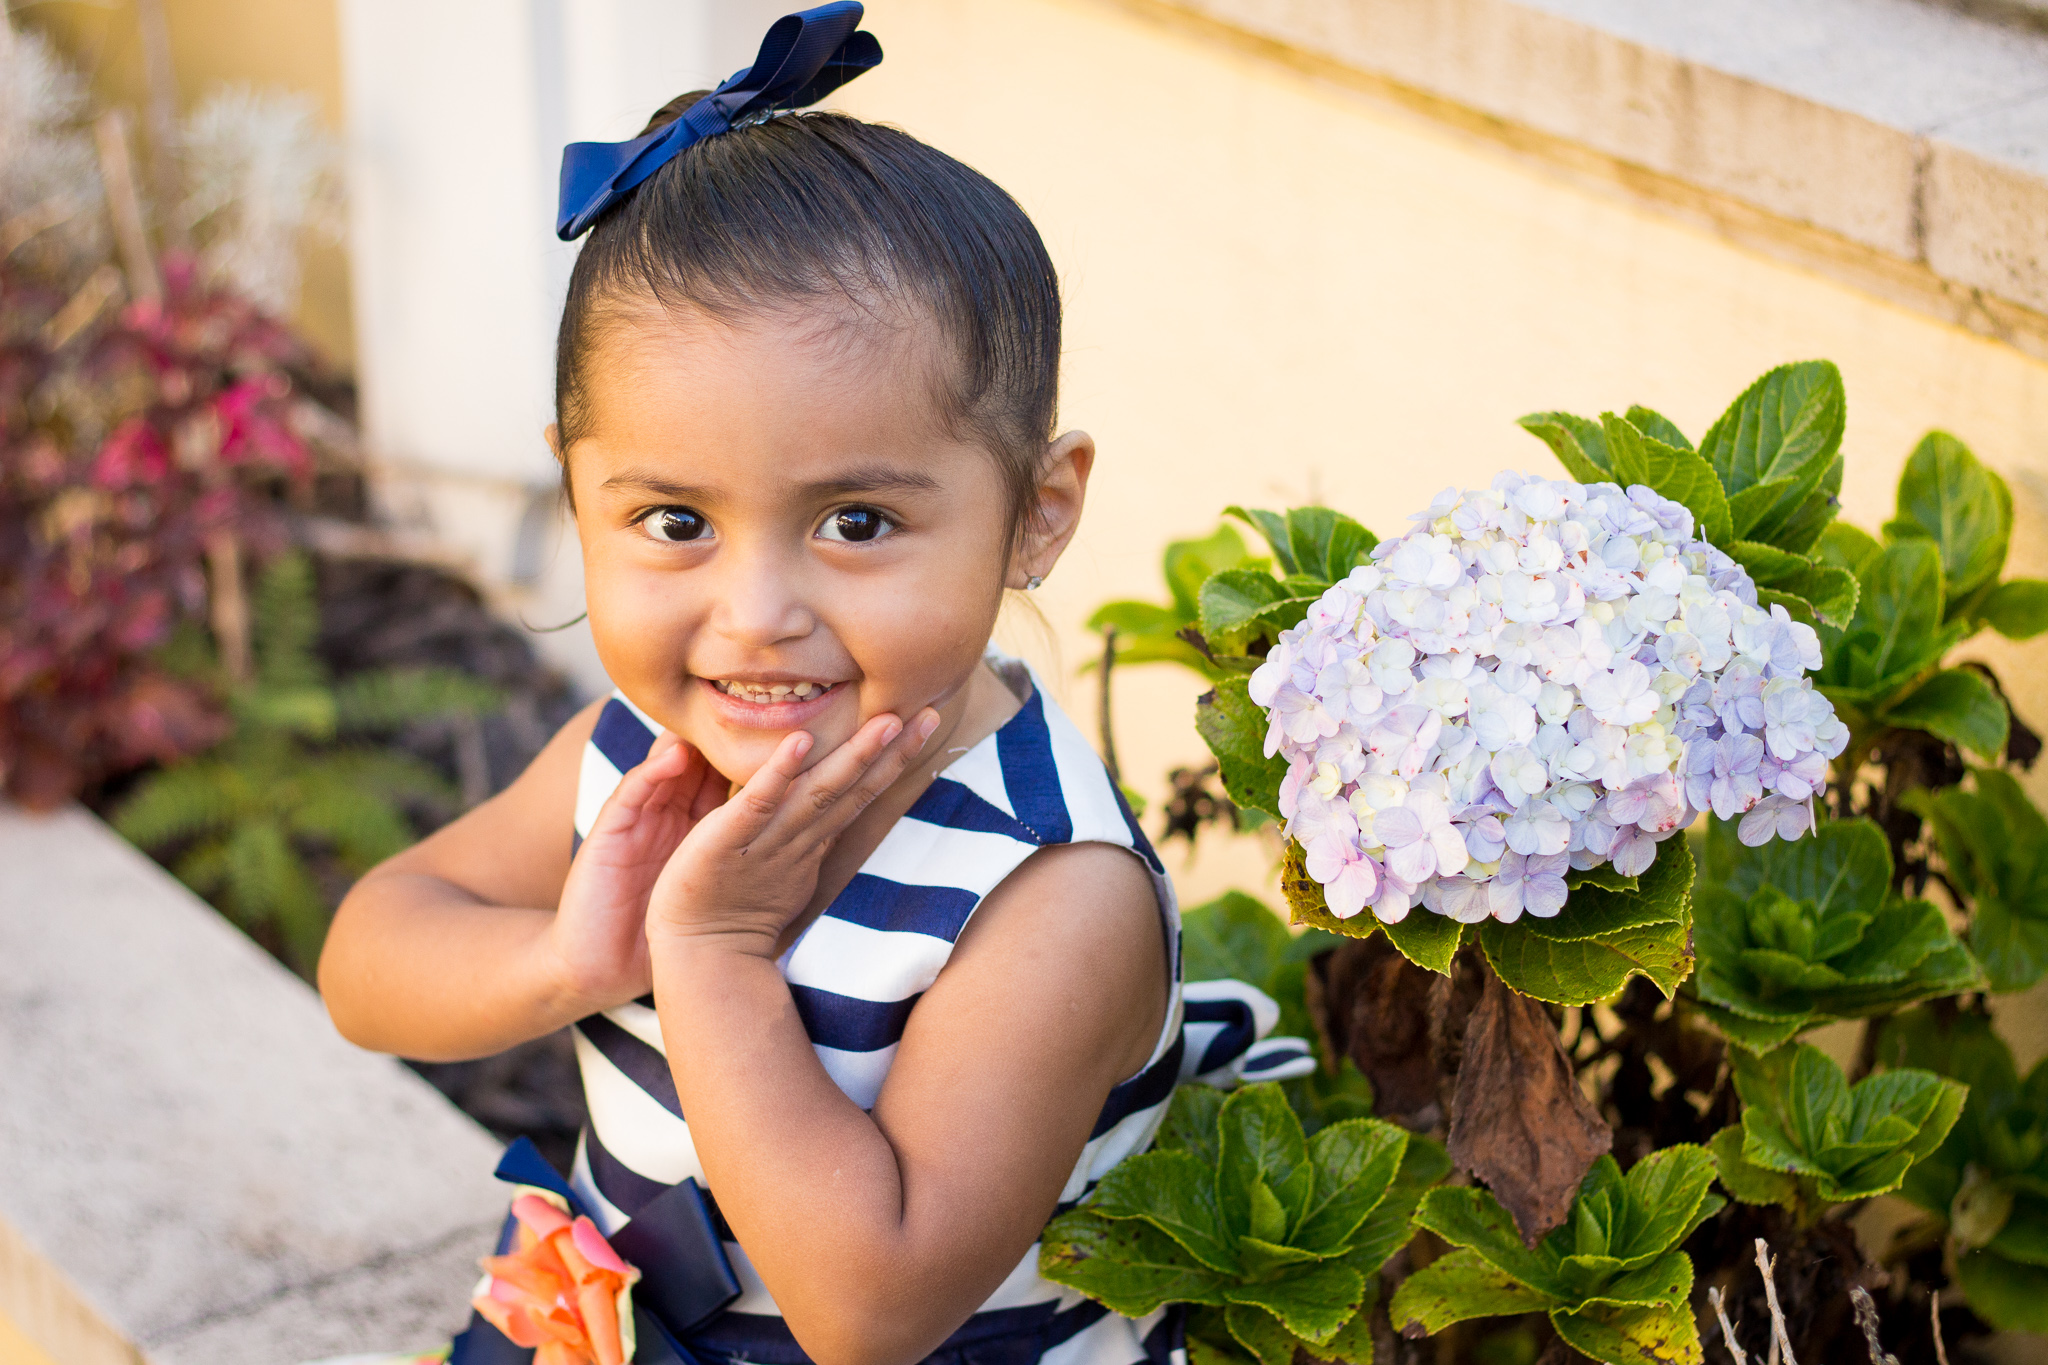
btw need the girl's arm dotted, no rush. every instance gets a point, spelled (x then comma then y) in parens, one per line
(878, 1234)
(485, 935)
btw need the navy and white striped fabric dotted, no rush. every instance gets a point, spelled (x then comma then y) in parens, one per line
(856, 975)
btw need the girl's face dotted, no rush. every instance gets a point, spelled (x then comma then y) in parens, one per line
(778, 533)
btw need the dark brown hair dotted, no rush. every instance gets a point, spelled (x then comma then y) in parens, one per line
(820, 208)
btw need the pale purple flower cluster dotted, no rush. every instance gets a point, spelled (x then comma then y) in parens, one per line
(1542, 676)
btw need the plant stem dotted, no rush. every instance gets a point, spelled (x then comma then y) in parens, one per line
(1102, 708)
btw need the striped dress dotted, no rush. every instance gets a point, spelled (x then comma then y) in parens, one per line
(857, 973)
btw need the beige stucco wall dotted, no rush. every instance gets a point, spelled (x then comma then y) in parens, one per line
(1281, 290)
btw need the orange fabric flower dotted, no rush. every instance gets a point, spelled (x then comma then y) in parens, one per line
(562, 1290)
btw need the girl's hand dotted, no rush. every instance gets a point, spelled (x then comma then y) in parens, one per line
(598, 938)
(750, 867)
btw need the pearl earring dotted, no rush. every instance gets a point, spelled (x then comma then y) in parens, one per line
(1032, 584)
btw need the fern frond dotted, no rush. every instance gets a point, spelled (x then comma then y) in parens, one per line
(362, 824)
(287, 624)
(390, 697)
(304, 709)
(390, 773)
(204, 868)
(177, 803)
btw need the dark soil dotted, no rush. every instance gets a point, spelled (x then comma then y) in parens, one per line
(382, 613)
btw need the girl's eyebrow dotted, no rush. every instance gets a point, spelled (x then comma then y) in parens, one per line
(861, 479)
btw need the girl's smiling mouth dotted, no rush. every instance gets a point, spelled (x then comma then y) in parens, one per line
(777, 704)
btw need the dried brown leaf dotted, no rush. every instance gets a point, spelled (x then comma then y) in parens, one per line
(1519, 1121)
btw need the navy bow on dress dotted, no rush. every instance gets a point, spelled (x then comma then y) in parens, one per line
(805, 57)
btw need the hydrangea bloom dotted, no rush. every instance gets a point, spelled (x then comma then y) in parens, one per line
(1541, 676)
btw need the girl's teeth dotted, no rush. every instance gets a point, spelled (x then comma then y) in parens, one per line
(773, 692)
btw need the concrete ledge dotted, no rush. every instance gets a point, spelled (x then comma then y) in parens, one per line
(198, 1168)
(1913, 135)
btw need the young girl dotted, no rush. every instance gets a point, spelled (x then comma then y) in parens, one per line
(859, 934)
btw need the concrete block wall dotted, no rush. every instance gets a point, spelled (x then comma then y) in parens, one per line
(194, 1168)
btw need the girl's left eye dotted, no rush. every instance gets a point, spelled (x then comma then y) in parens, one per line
(855, 524)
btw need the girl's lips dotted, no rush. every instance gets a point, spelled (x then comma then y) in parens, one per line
(778, 715)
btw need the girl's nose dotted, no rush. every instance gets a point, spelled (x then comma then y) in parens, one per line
(759, 602)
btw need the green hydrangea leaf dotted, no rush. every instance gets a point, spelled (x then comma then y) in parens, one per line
(1426, 939)
(1232, 599)
(1666, 1196)
(1129, 1266)
(1785, 426)
(2008, 1294)
(1174, 1191)
(1579, 444)
(1897, 630)
(1470, 1217)
(1603, 877)
(1311, 1301)
(1749, 1183)
(1747, 507)
(1262, 1145)
(1355, 1162)
(1632, 1336)
(1844, 867)
(1843, 546)
(1191, 1124)
(1660, 895)
(1233, 937)
(1578, 973)
(1657, 426)
(1674, 472)
(1234, 728)
(1390, 1225)
(2016, 608)
(2024, 1238)
(1752, 1034)
(1800, 530)
(1959, 705)
(1947, 496)
(1262, 1334)
(1458, 1287)
(1258, 1258)
(1666, 1279)
(1350, 1344)
(1191, 563)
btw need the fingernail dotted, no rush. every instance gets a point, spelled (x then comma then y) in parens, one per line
(927, 725)
(803, 743)
(891, 730)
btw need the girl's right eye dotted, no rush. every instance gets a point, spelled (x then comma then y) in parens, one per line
(676, 525)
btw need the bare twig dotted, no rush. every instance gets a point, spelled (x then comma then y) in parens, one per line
(1866, 1319)
(101, 287)
(1781, 1337)
(228, 602)
(1727, 1328)
(1934, 1311)
(23, 226)
(124, 206)
(1102, 714)
(160, 79)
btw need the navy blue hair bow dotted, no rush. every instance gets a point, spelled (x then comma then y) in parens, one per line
(805, 57)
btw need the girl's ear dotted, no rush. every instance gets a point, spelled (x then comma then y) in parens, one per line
(1055, 512)
(554, 436)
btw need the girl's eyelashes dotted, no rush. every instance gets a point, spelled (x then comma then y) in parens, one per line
(855, 524)
(675, 525)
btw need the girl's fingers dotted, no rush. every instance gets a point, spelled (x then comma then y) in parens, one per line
(887, 767)
(861, 769)
(646, 784)
(758, 801)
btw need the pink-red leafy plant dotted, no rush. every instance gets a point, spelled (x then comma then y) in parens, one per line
(133, 451)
